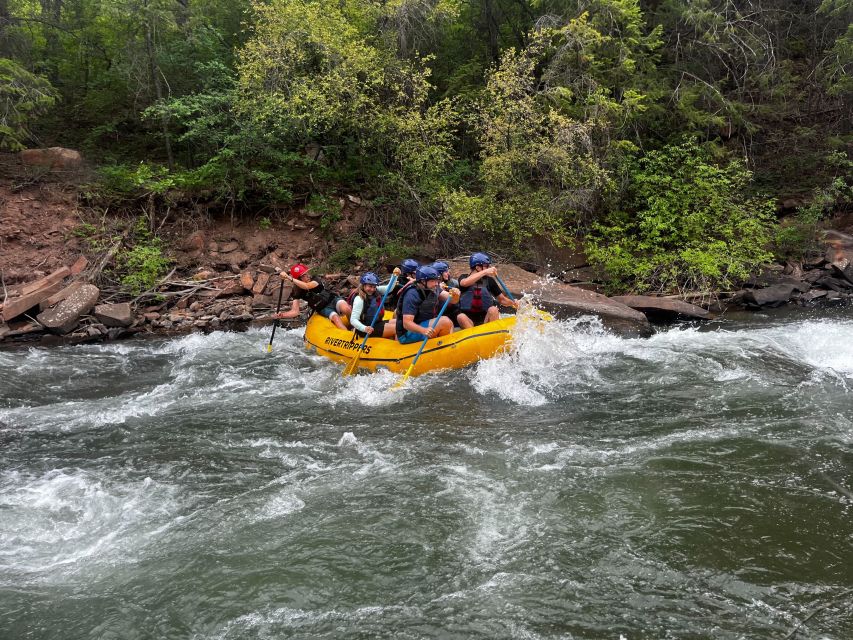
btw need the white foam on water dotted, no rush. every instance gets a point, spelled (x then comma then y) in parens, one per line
(498, 520)
(547, 360)
(281, 505)
(65, 520)
(373, 389)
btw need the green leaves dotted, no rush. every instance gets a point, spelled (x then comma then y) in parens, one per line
(690, 225)
(23, 97)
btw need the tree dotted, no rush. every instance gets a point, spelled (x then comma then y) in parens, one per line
(23, 97)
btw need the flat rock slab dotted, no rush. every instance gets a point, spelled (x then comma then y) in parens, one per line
(663, 306)
(17, 306)
(65, 316)
(771, 296)
(114, 315)
(566, 301)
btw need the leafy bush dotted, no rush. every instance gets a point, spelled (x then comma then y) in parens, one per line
(796, 237)
(690, 225)
(142, 265)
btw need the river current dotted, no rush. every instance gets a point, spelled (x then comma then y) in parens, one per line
(695, 484)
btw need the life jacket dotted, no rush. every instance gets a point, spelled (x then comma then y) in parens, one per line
(477, 298)
(371, 305)
(428, 307)
(396, 293)
(319, 297)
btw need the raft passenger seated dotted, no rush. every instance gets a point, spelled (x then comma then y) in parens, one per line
(366, 302)
(481, 293)
(419, 305)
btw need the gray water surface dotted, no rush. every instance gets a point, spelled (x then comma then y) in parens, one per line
(691, 485)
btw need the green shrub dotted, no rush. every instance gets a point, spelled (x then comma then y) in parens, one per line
(143, 264)
(690, 225)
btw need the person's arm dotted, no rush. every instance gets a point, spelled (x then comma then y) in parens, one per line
(409, 324)
(357, 308)
(293, 313)
(472, 277)
(311, 284)
(381, 289)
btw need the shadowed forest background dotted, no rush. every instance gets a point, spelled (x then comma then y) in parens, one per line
(677, 143)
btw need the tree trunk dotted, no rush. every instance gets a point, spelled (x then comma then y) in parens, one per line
(154, 70)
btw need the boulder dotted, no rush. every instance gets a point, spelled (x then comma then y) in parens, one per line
(60, 295)
(247, 281)
(772, 296)
(565, 301)
(65, 316)
(114, 315)
(52, 158)
(663, 307)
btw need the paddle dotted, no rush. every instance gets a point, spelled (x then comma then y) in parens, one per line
(275, 324)
(542, 314)
(423, 344)
(350, 368)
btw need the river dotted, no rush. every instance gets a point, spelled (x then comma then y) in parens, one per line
(695, 484)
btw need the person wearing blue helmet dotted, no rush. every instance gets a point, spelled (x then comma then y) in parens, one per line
(447, 282)
(481, 293)
(366, 301)
(418, 307)
(445, 279)
(407, 271)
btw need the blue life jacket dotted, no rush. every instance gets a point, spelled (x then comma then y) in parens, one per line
(371, 306)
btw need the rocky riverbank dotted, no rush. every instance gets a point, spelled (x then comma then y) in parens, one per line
(224, 275)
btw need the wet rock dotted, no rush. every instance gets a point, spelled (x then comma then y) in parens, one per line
(772, 296)
(65, 316)
(114, 315)
(565, 301)
(664, 308)
(835, 284)
(810, 296)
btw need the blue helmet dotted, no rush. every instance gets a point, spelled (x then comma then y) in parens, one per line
(478, 258)
(426, 273)
(409, 266)
(369, 278)
(441, 267)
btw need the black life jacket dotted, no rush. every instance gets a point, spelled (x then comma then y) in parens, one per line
(396, 293)
(319, 297)
(477, 298)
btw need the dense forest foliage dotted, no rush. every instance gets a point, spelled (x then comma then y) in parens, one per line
(660, 134)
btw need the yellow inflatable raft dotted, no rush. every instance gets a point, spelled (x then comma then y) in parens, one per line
(454, 351)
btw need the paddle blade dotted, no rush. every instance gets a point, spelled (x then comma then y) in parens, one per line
(405, 377)
(269, 348)
(351, 366)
